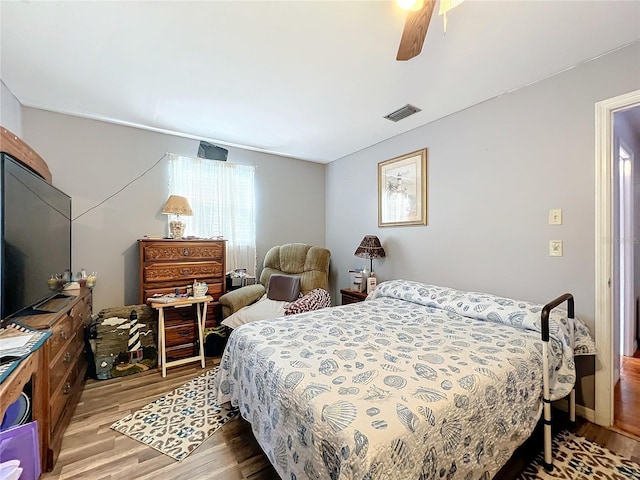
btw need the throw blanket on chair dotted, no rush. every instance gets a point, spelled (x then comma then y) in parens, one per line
(265, 308)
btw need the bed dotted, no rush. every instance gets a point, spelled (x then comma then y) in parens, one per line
(418, 381)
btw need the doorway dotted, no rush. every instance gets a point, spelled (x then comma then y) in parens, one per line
(626, 392)
(617, 259)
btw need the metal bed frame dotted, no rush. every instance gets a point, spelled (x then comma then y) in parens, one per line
(544, 320)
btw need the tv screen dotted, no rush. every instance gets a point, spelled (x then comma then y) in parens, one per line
(36, 237)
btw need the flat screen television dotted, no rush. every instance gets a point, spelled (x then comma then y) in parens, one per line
(36, 239)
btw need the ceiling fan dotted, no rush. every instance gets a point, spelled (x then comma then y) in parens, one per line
(417, 23)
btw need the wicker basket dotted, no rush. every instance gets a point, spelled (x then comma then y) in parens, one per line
(200, 289)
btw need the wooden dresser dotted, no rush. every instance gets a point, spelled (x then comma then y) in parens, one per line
(65, 363)
(169, 264)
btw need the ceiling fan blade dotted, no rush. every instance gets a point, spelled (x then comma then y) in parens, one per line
(415, 31)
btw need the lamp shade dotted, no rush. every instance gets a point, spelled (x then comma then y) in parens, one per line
(177, 205)
(370, 248)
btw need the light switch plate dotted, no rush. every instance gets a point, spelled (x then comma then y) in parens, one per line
(555, 216)
(555, 248)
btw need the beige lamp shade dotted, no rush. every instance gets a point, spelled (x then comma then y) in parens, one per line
(177, 205)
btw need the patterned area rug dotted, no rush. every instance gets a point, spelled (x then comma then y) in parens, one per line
(577, 458)
(178, 422)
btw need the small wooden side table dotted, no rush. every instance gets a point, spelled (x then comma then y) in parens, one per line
(352, 296)
(201, 310)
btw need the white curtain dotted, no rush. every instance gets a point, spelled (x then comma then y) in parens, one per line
(222, 198)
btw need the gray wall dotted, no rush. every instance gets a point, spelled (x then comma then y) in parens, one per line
(91, 160)
(10, 111)
(494, 170)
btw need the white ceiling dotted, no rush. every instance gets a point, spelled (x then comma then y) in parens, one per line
(307, 79)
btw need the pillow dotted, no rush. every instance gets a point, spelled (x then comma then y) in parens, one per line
(285, 288)
(314, 300)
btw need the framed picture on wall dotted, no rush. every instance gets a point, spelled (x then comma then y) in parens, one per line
(402, 190)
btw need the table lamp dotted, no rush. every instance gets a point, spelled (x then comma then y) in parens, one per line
(177, 205)
(370, 248)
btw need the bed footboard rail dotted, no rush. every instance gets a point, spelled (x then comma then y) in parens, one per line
(544, 325)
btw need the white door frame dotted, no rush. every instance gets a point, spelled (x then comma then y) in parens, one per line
(605, 235)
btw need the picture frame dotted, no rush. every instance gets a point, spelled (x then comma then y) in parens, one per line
(402, 190)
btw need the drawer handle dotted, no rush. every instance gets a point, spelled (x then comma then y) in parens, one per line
(67, 387)
(185, 333)
(64, 334)
(67, 357)
(186, 271)
(186, 252)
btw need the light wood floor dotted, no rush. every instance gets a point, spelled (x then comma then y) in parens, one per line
(627, 397)
(91, 450)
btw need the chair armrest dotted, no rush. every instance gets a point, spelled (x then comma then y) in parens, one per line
(236, 299)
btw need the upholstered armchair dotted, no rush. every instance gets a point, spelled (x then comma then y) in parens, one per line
(309, 263)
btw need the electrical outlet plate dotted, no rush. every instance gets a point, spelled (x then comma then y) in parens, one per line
(555, 216)
(555, 248)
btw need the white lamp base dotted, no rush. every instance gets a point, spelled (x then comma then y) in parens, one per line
(177, 228)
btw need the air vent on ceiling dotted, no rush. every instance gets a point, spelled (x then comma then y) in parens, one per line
(402, 112)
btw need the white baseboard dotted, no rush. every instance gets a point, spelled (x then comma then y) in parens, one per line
(581, 411)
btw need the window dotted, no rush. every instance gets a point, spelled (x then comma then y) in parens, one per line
(222, 197)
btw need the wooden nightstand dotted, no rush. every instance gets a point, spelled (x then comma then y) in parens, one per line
(351, 296)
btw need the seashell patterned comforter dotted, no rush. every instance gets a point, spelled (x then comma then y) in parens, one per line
(417, 382)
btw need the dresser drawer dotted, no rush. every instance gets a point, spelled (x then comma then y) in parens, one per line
(61, 333)
(63, 394)
(348, 299)
(69, 355)
(81, 312)
(178, 316)
(182, 272)
(182, 351)
(216, 290)
(180, 334)
(183, 252)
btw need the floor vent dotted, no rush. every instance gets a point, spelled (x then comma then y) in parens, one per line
(402, 112)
